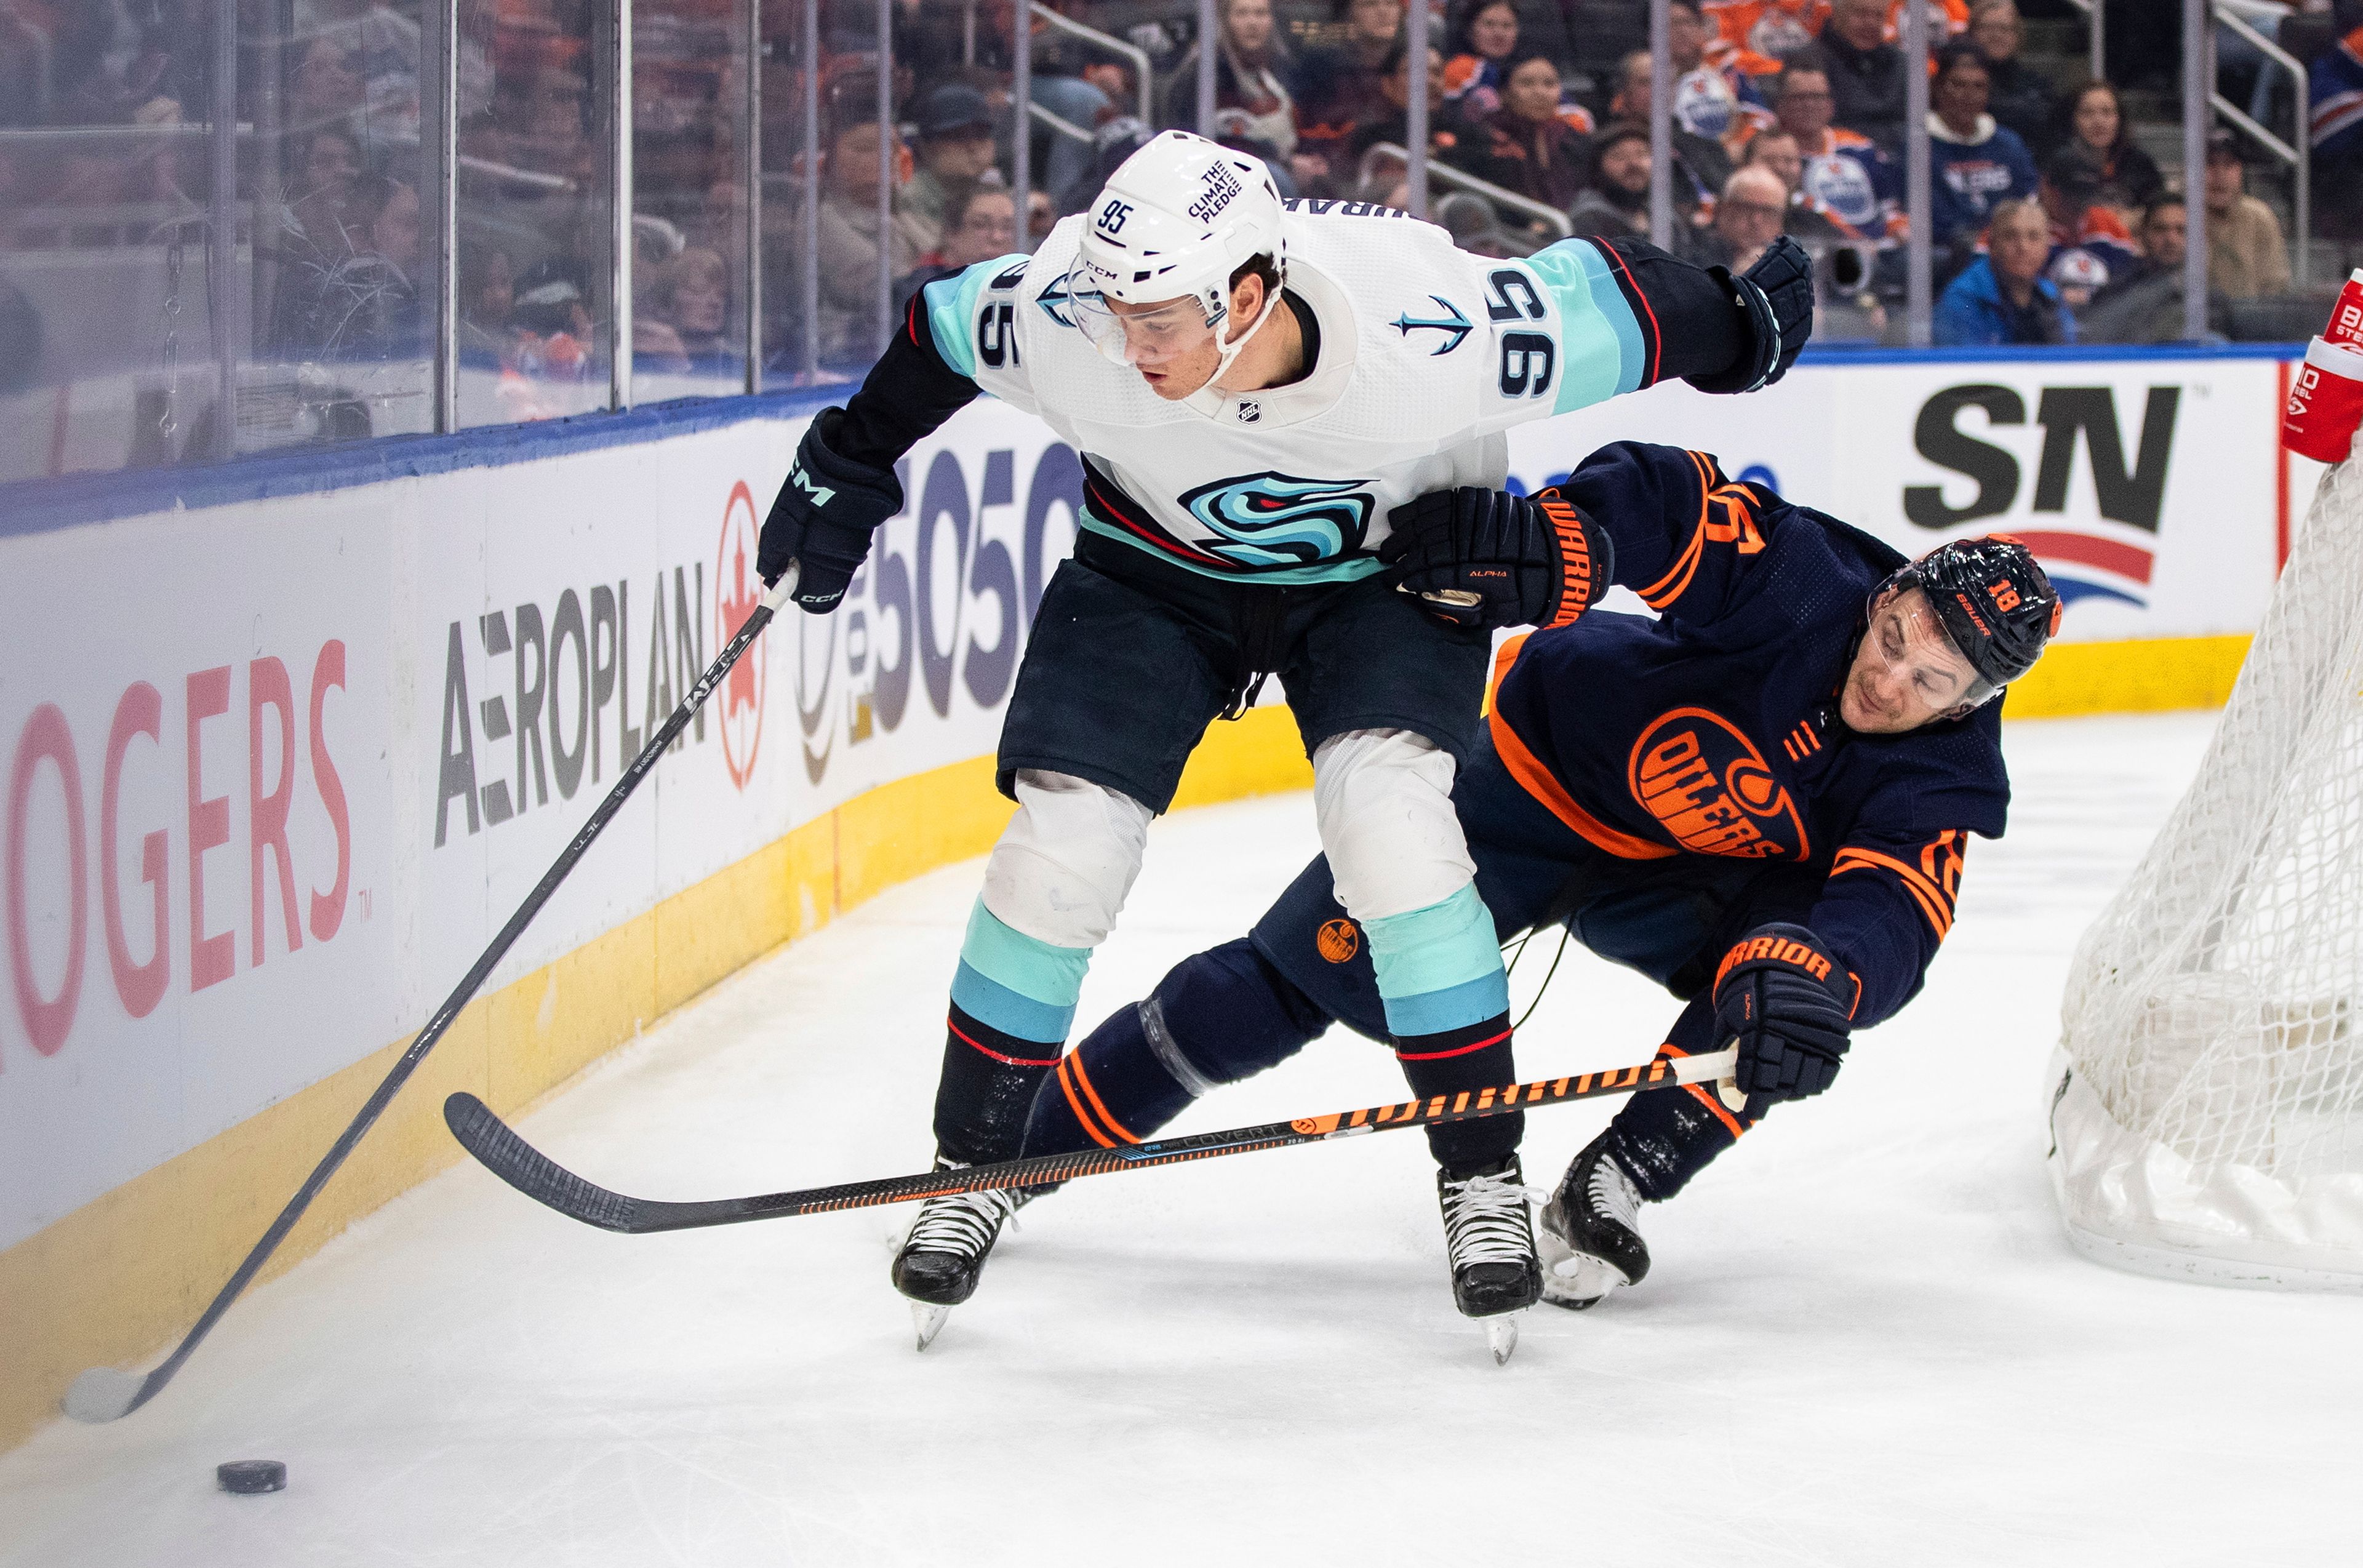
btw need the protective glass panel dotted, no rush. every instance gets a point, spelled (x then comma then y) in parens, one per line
(689, 197)
(536, 199)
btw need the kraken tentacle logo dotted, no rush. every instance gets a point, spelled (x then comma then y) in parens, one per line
(1272, 520)
(1708, 786)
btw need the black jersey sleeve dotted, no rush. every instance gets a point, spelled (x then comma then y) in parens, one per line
(909, 391)
(1686, 538)
(1688, 324)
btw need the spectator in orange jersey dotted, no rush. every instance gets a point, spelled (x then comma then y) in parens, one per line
(1483, 41)
(1756, 37)
(1701, 164)
(1947, 19)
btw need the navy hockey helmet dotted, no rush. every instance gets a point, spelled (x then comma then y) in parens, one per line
(1993, 599)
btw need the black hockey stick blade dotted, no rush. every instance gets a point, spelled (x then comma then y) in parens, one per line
(499, 1149)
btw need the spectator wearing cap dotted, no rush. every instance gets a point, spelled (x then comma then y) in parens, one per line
(1973, 163)
(2003, 299)
(1616, 206)
(1866, 71)
(2021, 98)
(2096, 123)
(2245, 253)
(2090, 245)
(953, 146)
(1529, 145)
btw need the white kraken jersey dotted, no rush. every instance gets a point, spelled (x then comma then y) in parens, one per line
(1427, 356)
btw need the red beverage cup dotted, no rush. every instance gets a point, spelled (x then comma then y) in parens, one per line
(2346, 328)
(2325, 403)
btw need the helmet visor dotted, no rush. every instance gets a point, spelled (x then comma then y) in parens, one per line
(1923, 673)
(1137, 335)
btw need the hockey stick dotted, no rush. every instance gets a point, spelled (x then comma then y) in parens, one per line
(105, 1393)
(542, 1179)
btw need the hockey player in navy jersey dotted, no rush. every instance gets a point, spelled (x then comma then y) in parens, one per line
(1256, 388)
(1761, 800)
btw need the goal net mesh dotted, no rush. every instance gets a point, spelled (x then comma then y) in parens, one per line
(2207, 1116)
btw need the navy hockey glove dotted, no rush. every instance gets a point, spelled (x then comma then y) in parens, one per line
(1776, 295)
(823, 517)
(1789, 1006)
(1485, 558)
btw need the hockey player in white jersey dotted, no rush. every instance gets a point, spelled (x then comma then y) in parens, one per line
(1254, 387)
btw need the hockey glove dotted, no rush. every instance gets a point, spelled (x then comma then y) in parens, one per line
(823, 517)
(1485, 558)
(1776, 295)
(1789, 1005)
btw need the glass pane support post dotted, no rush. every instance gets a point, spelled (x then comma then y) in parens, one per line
(2197, 84)
(439, 86)
(750, 148)
(1210, 27)
(619, 15)
(1416, 131)
(809, 283)
(1661, 125)
(1919, 256)
(221, 235)
(1021, 120)
(886, 169)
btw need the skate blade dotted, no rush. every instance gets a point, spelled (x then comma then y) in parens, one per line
(1501, 1337)
(928, 1320)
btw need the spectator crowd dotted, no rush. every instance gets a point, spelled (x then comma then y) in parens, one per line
(2051, 219)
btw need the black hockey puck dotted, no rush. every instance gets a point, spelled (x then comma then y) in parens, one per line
(252, 1476)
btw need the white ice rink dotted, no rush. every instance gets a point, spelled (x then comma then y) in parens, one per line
(1865, 1341)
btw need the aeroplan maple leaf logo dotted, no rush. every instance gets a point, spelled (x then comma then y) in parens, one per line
(738, 590)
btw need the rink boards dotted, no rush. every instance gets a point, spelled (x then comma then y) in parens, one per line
(289, 739)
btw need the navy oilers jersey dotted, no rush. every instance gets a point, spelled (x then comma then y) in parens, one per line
(1715, 729)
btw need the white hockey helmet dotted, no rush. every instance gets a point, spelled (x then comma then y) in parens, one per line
(1176, 219)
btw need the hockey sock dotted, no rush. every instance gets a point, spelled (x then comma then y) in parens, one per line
(1216, 1017)
(1465, 1062)
(1448, 1004)
(1013, 1003)
(1664, 1138)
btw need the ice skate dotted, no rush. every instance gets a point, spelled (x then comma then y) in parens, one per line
(1591, 1232)
(944, 1254)
(1489, 1239)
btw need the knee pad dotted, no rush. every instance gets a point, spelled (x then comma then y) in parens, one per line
(1066, 862)
(1383, 801)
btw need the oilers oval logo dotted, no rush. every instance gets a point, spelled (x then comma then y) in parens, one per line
(1843, 187)
(1707, 785)
(1277, 520)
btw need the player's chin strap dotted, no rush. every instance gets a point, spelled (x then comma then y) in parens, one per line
(1209, 399)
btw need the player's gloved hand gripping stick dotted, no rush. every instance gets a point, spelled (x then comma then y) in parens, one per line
(542, 1179)
(105, 1393)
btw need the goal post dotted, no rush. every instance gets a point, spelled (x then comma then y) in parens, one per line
(2207, 1104)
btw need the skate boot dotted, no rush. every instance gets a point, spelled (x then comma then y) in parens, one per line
(1489, 1239)
(1591, 1231)
(944, 1254)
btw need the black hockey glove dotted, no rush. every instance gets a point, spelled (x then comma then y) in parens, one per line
(1485, 558)
(1788, 1005)
(1776, 295)
(823, 517)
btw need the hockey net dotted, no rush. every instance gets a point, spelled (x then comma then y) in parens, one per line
(2207, 1109)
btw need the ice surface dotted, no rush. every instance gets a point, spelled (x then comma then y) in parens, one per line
(1864, 1341)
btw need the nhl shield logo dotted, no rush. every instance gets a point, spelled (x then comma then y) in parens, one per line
(737, 591)
(1250, 411)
